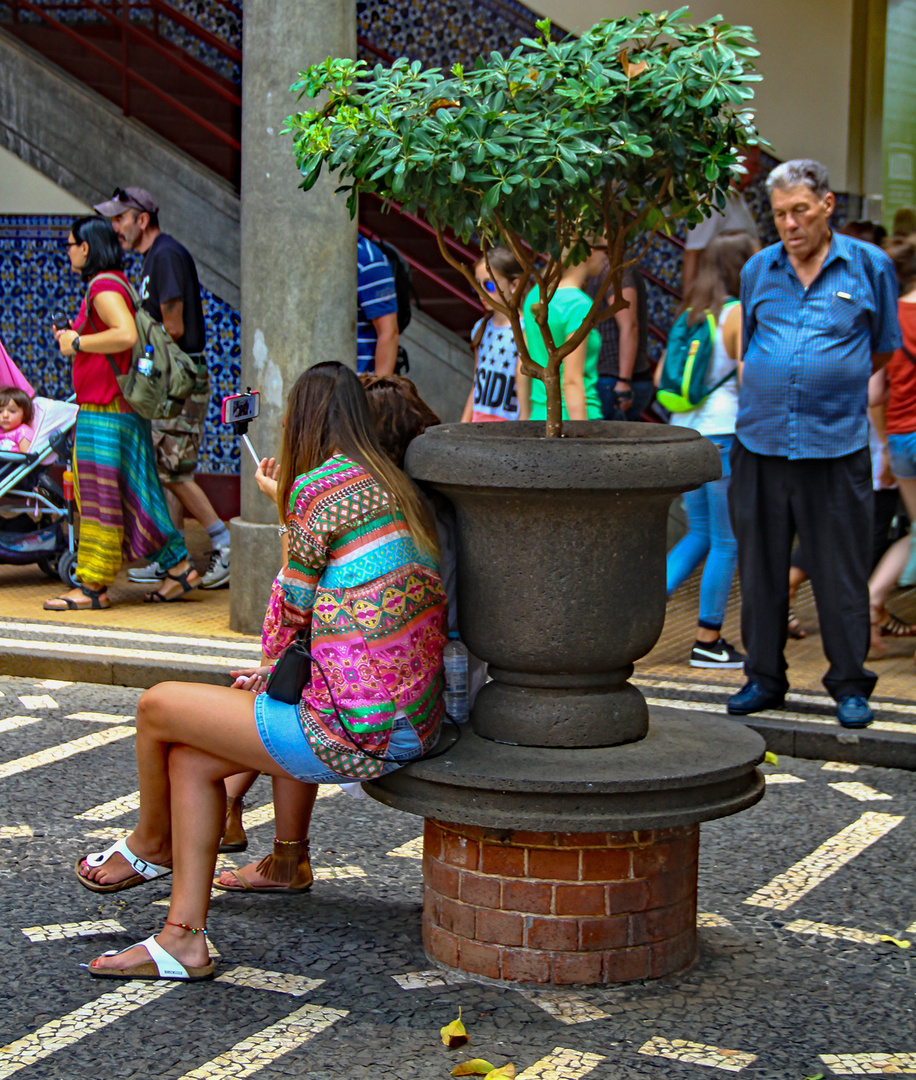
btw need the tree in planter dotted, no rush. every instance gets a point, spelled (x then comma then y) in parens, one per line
(603, 139)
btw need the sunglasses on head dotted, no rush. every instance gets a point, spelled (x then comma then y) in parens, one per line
(125, 197)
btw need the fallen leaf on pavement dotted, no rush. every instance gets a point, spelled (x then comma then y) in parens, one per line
(454, 1034)
(474, 1067)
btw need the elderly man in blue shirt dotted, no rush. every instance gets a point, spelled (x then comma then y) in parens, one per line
(820, 316)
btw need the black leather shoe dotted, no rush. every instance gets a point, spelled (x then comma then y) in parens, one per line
(753, 698)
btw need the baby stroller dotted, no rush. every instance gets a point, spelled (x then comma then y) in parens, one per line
(36, 515)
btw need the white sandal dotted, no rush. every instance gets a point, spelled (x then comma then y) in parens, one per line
(145, 871)
(161, 965)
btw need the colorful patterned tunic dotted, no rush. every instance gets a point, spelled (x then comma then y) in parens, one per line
(376, 611)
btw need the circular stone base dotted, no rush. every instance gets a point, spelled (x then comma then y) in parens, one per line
(690, 767)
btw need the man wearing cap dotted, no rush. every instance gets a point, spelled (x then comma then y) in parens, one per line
(170, 292)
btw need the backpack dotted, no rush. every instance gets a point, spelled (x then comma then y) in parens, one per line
(161, 377)
(683, 383)
(403, 284)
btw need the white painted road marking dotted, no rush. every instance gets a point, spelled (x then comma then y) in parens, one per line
(15, 832)
(839, 766)
(13, 722)
(64, 750)
(107, 811)
(103, 717)
(786, 888)
(108, 652)
(782, 778)
(277, 981)
(38, 701)
(252, 1053)
(562, 1063)
(62, 931)
(698, 1054)
(870, 1064)
(843, 933)
(567, 1008)
(776, 714)
(57, 631)
(87, 1019)
(423, 980)
(860, 792)
(413, 849)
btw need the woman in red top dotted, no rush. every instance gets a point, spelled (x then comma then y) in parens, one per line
(892, 397)
(123, 513)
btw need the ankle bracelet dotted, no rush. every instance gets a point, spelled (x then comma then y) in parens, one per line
(290, 843)
(190, 929)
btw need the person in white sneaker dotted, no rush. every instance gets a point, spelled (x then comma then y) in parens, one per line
(710, 536)
(170, 292)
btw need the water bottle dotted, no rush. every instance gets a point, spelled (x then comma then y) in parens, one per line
(145, 363)
(455, 660)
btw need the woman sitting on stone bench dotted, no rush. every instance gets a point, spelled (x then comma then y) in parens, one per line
(361, 577)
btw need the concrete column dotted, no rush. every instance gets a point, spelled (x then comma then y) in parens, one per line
(298, 262)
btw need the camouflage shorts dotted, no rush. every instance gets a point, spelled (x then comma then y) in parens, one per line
(177, 441)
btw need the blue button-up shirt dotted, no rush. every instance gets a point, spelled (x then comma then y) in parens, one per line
(807, 352)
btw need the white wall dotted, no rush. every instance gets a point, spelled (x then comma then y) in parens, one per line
(24, 190)
(802, 105)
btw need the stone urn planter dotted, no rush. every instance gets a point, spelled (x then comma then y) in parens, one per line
(562, 831)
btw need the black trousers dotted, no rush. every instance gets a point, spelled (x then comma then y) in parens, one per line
(828, 503)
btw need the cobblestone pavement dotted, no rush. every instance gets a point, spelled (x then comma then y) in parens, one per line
(793, 977)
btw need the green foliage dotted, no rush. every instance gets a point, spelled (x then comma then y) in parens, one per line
(558, 140)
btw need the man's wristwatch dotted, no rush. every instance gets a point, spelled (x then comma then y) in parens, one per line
(76, 344)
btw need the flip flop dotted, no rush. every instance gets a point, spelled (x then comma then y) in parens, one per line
(894, 627)
(182, 579)
(95, 601)
(145, 871)
(160, 966)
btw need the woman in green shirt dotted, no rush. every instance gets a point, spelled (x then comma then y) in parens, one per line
(579, 371)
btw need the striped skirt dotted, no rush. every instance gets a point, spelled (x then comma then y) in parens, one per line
(123, 513)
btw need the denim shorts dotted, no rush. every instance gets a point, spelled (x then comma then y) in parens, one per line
(281, 732)
(901, 449)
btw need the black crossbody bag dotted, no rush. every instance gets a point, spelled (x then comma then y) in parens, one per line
(292, 673)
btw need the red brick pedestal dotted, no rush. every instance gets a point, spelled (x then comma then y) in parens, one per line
(560, 907)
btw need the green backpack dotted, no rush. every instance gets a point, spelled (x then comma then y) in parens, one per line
(161, 377)
(683, 383)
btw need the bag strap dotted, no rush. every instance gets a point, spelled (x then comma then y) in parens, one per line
(132, 292)
(733, 374)
(906, 352)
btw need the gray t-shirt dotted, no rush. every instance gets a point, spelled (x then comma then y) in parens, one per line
(609, 357)
(736, 217)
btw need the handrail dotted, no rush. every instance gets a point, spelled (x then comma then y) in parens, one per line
(142, 34)
(455, 245)
(208, 38)
(426, 272)
(365, 43)
(128, 75)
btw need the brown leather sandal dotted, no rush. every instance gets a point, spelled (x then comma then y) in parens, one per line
(234, 835)
(288, 865)
(182, 579)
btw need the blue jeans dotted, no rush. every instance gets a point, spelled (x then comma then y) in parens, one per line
(642, 395)
(709, 536)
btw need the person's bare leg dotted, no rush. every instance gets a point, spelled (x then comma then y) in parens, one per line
(881, 584)
(237, 787)
(176, 510)
(196, 736)
(216, 719)
(240, 784)
(195, 501)
(796, 577)
(198, 806)
(294, 801)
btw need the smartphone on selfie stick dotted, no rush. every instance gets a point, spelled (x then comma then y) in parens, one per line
(239, 410)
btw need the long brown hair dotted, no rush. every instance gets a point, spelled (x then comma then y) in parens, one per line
(327, 414)
(718, 276)
(503, 262)
(398, 413)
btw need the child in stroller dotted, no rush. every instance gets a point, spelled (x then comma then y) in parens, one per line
(16, 413)
(36, 521)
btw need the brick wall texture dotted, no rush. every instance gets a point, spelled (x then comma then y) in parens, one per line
(560, 908)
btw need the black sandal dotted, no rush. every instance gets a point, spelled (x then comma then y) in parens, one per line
(796, 630)
(95, 600)
(182, 579)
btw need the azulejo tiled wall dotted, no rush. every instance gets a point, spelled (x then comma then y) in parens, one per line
(36, 280)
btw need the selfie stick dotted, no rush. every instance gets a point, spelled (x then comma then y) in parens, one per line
(242, 429)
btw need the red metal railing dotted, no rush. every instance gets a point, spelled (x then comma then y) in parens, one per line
(132, 32)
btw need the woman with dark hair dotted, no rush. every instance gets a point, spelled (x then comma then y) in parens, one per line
(123, 513)
(360, 579)
(713, 291)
